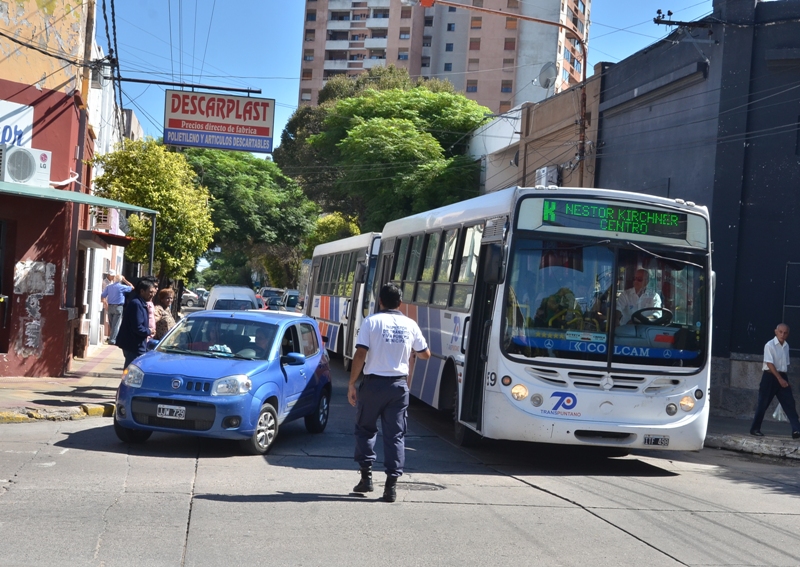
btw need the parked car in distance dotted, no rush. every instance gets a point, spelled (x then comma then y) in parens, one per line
(231, 297)
(274, 303)
(290, 299)
(202, 296)
(230, 375)
(266, 292)
(189, 298)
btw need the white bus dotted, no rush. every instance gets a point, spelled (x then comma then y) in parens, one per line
(339, 286)
(557, 315)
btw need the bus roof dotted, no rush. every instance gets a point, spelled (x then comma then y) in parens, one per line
(501, 202)
(357, 242)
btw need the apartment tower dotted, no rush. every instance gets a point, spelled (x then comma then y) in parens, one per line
(495, 59)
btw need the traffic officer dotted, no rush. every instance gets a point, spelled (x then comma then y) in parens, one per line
(384, 346)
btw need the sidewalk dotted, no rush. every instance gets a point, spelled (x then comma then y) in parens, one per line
(89, 389)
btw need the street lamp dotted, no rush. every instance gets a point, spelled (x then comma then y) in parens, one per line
(568, 29)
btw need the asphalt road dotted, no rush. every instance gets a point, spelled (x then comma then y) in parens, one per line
(71, 493)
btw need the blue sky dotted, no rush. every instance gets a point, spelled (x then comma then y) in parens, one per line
(257, 44)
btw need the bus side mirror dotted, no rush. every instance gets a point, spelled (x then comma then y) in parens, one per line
(493, 264)
(361, 273)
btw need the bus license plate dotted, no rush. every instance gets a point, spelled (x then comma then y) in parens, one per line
(171, 412)
(659, 440)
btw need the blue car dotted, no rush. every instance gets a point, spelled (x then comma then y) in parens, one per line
(231, 375)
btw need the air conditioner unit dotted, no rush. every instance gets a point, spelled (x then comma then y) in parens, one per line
(546, 176)
(25, 165)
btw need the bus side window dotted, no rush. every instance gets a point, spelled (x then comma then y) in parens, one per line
(327, 277)
(350, 275)
(444, 270)
(412, 271)
(337, 260)
(423, 291)
(400, 261)
(467, 268)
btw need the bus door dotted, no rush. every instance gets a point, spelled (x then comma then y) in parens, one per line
(353, 310)
(311, 286)
(480, 325)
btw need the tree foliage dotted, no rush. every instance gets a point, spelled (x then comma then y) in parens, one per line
(329, 149)
(330, 228)
(260, 212)
(146, 174)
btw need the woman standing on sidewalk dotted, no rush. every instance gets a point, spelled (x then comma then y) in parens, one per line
(163, 313)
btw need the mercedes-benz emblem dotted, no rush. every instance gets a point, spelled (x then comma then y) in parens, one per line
(548, 344)
(606, 383)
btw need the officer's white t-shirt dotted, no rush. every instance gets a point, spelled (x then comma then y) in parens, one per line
(389, 336)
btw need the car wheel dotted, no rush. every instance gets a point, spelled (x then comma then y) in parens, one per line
(266, 431)
(127, 435)
(316, 422)
(189, 303)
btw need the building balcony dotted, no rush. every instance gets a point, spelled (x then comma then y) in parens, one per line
(336, 64)
(378, 23)
(370, 63)
(339, 5)
(337, 44)
(338, 25)
(378, 3)
(375, 43)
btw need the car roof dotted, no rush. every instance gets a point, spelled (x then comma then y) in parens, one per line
(254, 315)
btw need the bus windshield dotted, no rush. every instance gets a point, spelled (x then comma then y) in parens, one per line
(609, 303)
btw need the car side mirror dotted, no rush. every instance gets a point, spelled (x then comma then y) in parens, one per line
(293, 359)
(152, 344)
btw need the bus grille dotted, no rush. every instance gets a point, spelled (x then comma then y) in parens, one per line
(592, 380)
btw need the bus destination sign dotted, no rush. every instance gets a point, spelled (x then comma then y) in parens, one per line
(600, 215)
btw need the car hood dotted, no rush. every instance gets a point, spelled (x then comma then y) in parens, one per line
(199, 366)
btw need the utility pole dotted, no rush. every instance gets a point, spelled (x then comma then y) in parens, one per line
(568, 29)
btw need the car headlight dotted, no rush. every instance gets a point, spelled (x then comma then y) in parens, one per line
(231, 385)
(133, 376)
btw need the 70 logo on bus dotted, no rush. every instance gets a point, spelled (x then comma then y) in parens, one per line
(566, 400)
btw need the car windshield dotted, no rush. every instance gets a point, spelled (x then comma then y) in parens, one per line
(234, 304)
(291, 301)
(225, 338)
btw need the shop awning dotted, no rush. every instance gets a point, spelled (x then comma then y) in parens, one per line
(100, 239)
(51, 194)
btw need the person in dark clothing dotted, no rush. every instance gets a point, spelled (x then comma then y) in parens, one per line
(386, 342)
(135, 327)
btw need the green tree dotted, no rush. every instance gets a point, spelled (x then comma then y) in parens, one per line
(260, 212)
(144, 173)
(330, 228)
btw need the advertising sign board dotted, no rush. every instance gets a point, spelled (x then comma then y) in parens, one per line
(219, 121)
(16, 124)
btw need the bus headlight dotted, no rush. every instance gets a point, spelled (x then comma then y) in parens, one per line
(537, 400)
(519, 392)
(687, 403)
(672, 409)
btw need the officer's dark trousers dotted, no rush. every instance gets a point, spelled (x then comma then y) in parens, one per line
(768, 389)
(386, 398)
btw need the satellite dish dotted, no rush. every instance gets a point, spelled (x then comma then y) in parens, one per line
(547, 76)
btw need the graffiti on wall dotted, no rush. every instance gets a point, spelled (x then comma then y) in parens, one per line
(32, 281)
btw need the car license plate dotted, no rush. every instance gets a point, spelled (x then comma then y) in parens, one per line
(171, 412)
(659, 440)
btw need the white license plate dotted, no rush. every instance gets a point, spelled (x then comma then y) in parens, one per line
(171, 412)
(659, 440)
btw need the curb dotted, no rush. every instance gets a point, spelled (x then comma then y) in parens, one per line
(757, 445)
(26, 415)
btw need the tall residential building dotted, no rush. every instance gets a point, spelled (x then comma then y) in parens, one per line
(495, 59)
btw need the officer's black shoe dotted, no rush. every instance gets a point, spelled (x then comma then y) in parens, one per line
(756, 433)
(795, 434)
(366, 482)
(390, 489)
